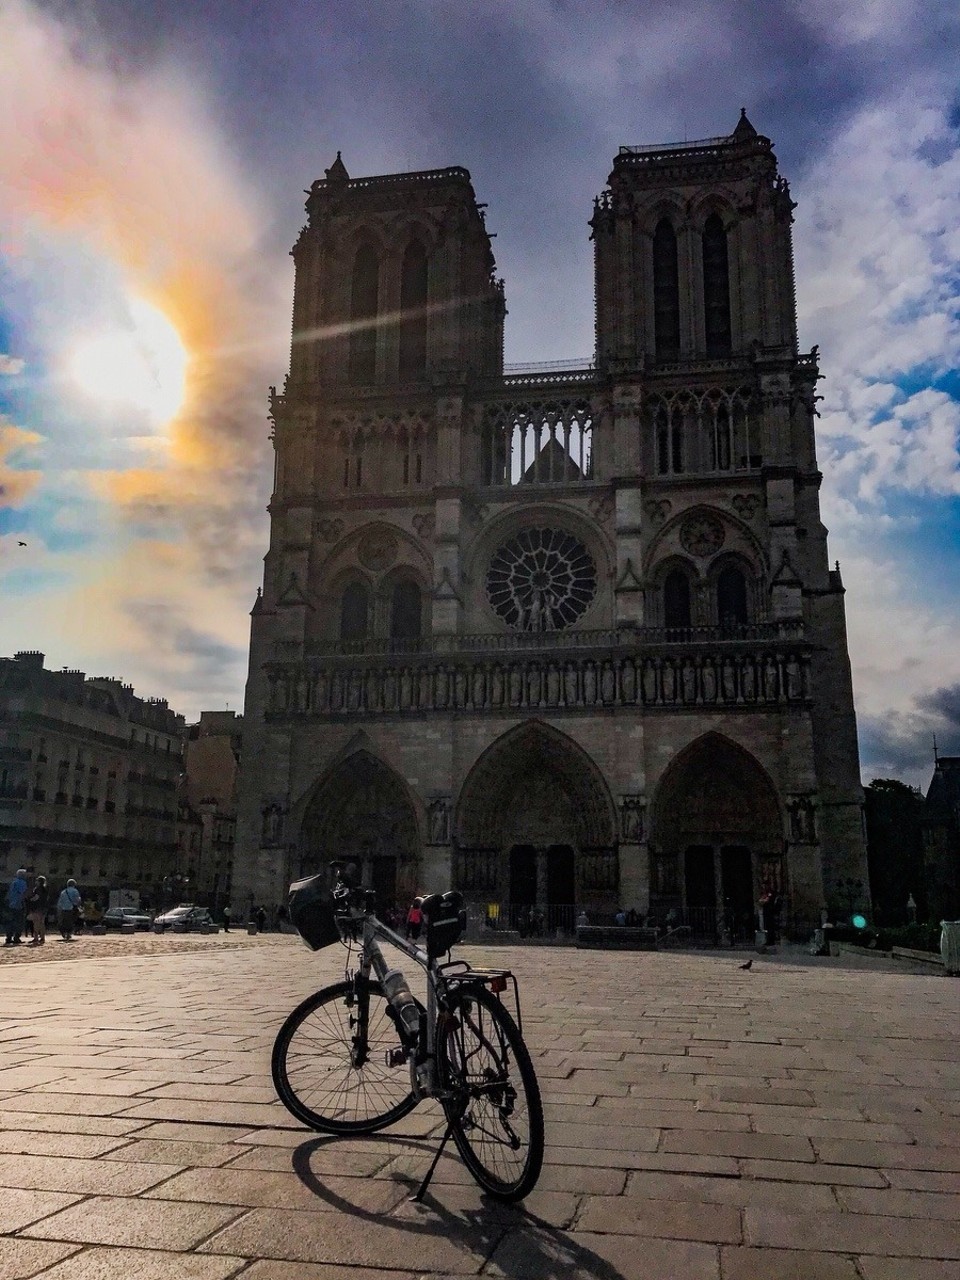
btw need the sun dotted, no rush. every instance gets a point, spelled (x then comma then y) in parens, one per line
(143, 365)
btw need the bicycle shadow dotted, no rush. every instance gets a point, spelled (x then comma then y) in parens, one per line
(519, 1243)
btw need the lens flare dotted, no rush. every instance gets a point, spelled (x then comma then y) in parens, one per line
(143, 365)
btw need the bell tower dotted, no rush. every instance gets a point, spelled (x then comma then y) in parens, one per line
(394, 283)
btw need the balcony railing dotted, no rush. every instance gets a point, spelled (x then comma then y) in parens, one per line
(536, 641)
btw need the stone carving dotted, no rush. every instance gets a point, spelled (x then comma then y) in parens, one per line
(631, 819)
(541, 580)
(745, 505)
(377, 550)
(328, 530)
(601, 507)
(439, 820)
(382, 684)
(271, 832)
(658, 510)
(702, 535)
(802, 824)
(424, 523)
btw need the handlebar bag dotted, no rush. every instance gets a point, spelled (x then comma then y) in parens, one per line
(312, 913)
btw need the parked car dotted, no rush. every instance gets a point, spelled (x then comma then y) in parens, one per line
(186, 916)
(114, 917)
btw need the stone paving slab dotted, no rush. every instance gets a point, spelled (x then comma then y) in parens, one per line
(798, 1121)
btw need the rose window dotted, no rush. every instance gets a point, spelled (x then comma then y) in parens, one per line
(541, 580)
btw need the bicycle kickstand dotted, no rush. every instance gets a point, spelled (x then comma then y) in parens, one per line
(422, 1190)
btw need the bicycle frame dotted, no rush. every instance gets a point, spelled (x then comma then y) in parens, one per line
(422, 1062)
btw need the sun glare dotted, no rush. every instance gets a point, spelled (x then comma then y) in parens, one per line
(144, 365)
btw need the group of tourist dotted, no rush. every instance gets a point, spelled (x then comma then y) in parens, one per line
(27, 904)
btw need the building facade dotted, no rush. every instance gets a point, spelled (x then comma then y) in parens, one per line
(940, 825)
(206, 827)
(88, 780)
(568, 636)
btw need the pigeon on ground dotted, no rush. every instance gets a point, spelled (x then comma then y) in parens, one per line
(748, 964)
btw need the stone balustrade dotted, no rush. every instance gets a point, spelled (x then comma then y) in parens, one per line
(443, 684)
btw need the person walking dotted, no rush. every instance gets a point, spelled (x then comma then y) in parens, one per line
(16, 897)
(414, 919)
(37, 901)
(226, 918)
(68, 904)
(261, 918)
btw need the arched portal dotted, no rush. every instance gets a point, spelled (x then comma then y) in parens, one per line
(362, 812)
(535, 828)
(716, 837)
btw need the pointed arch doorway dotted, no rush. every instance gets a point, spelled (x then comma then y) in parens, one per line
(716, 836)
(535, 830)
(361, 812)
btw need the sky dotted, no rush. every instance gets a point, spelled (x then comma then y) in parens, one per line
(154, 157)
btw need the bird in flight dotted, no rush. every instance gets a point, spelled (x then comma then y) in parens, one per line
(21, 544)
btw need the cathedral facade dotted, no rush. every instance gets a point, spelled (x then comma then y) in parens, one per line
(563, 637)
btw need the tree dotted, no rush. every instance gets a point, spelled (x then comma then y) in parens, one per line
(893, 813)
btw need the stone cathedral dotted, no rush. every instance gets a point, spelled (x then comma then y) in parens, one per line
(569, 636)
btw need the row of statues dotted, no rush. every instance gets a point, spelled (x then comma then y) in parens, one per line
(704, 679)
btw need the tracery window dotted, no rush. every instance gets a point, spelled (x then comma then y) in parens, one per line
(666, 292)
(364, 303)
(697, 431)
(676, 600)
(413, 306)
(541, 580)
(354, 611)
(549, 443)
(716, 287)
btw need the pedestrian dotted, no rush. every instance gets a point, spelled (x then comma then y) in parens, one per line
(36, 904)
(16, 897)
(414, 919)
(260, 916)
(68, 904)
(226, 918)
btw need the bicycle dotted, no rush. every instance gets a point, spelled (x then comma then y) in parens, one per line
(359, 1055)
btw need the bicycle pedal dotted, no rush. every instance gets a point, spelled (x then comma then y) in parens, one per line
(397, 1057)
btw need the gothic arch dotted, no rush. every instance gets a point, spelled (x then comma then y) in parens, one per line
(722, 203)
(360, 810)
(499, 778)
(716, 835)
(737, 539)
(669, 207)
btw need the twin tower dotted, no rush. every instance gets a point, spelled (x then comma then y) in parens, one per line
(564, 639)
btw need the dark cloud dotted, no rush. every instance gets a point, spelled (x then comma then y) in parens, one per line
(943, 705)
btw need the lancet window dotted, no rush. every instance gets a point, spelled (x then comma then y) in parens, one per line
(354, 611)
(709, 431)
(413, 306)
(364, 304)
(406, 611)
(732, 603)
(676, 600)
(716, 287)
(537, 444)
(666, 292)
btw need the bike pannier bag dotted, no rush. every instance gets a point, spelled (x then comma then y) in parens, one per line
(311, 910)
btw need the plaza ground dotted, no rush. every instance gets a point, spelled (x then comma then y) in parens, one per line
(796, 1121)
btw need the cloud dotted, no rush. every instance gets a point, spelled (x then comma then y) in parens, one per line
(126, 186)
(10, 366)
(16, 482)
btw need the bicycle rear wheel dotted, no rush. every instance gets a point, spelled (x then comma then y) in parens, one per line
(495, 1113)
(325, 1078)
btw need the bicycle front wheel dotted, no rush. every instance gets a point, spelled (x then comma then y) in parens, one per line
(494, 1111)
(330, 1081)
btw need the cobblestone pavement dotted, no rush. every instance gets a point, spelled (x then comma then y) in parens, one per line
(797, 1121)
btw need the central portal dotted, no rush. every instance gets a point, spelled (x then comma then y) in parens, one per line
(535, 831)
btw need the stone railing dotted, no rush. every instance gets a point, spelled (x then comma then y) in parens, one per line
(596, 680)
(573, 638)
